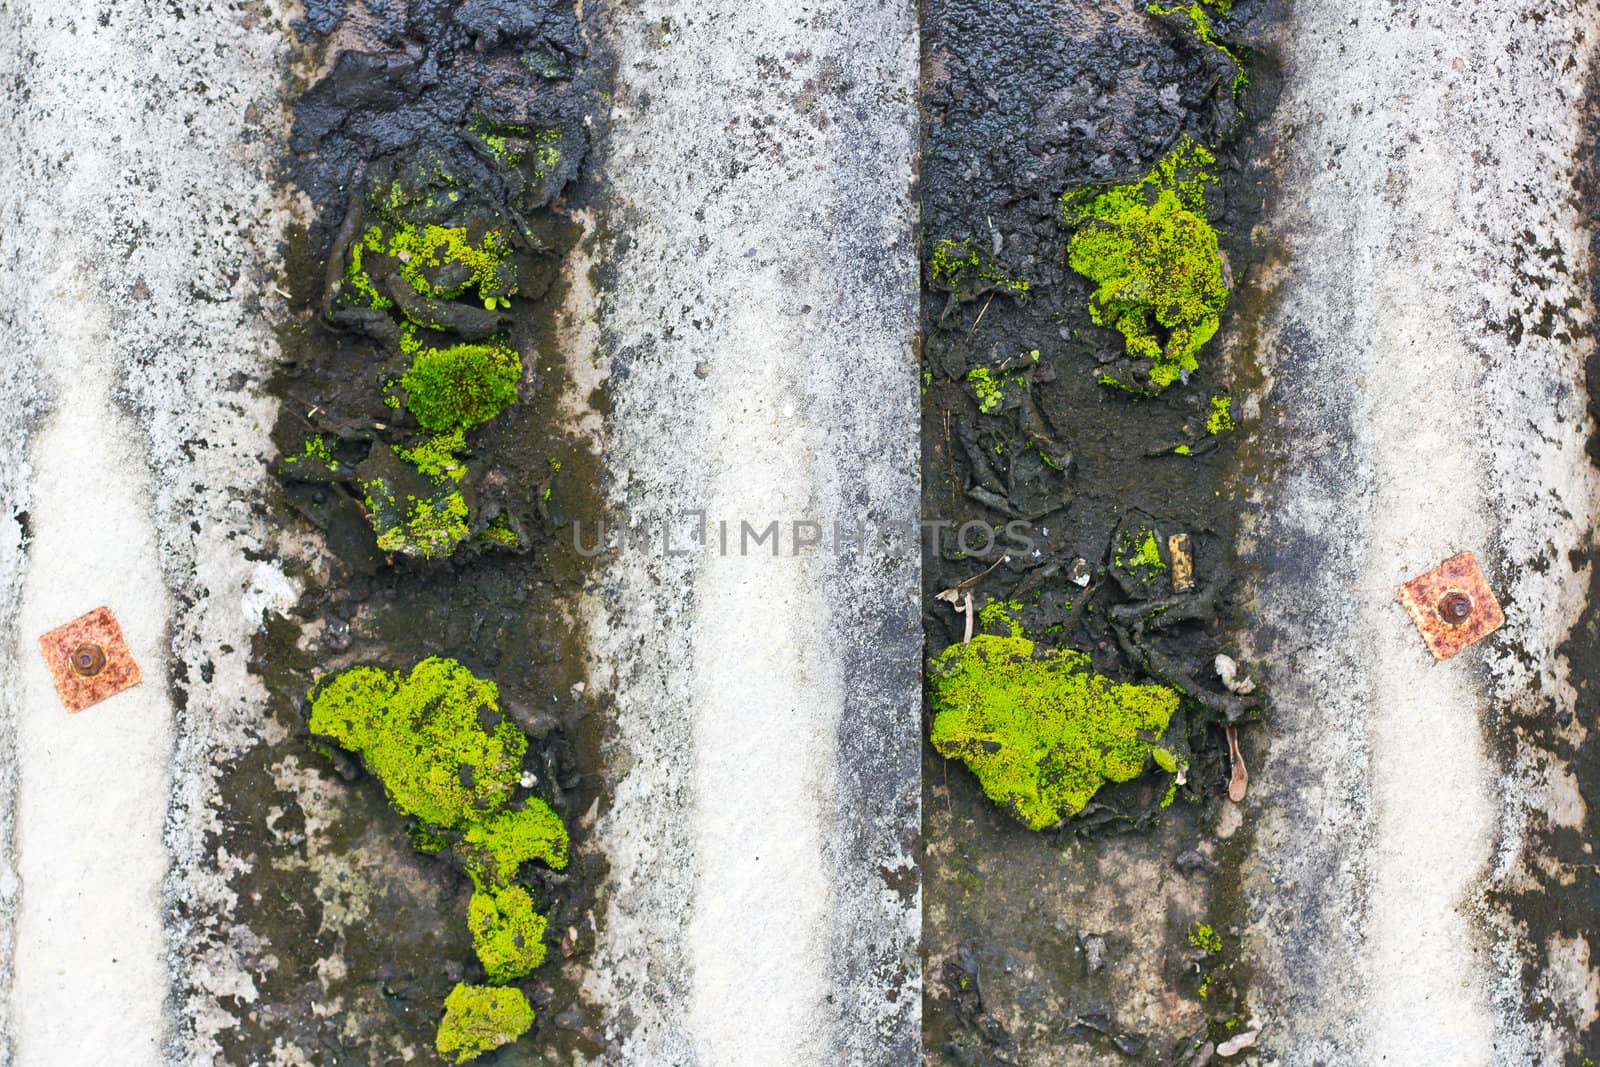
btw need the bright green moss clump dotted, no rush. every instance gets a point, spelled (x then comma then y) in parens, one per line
(1204, 937)
(497, 846)
(481, 265)
(1220, 418)
(449, 758)
(991, 388)
(413, 496)
(438, 262)
(429, 255)
(1001, 614)
(1041, 731)
(986, 387)
(461, 385)
(507, 933)
(1153, 257)
(499, 532)
(478, 1019)
(1136, 560)
(436, 457)
(1141, 551)
(435, 738)
(316, 449)
(421, 254)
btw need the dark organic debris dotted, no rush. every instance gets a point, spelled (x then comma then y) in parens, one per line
(1127, 1042)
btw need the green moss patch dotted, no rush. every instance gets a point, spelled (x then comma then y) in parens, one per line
(957, 267)
(1153, 257)
(1039, 729)
(442, 267)
(1204, 937)
(501, 532)
(413, 496)
(511, 144)
(495, 847)
(1136, 563)
(315, 462)
(450, 759)
(460, 386)
(479, 1019)
(435, 738)
(1220, 417)
(507, 933)
(419, 236)
(1202, 30)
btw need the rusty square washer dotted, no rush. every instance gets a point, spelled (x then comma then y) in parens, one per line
(89, 659)
(1452, 605)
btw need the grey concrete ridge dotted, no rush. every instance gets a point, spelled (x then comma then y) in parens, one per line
(141, 224)
(1407, 425)
(760, 333)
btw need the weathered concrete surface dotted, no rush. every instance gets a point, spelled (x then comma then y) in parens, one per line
(759, 321)
(1423, 357)
(139, 224)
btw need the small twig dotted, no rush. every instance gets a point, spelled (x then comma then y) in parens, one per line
(976, 578)
(979, 319)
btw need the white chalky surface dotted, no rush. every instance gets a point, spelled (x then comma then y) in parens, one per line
(759, 331)
(1422, 164)
(92, 789)
(138, 226)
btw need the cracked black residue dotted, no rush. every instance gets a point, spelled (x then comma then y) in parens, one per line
(1073, 945)
(352, 938)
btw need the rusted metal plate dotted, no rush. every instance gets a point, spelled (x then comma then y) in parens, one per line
(89, 659)
(1452, 605)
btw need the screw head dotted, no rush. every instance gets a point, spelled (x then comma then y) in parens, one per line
(1455, 607)
(88, 660)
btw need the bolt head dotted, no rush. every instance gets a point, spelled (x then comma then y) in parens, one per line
(1455, 607)
(88, 660)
